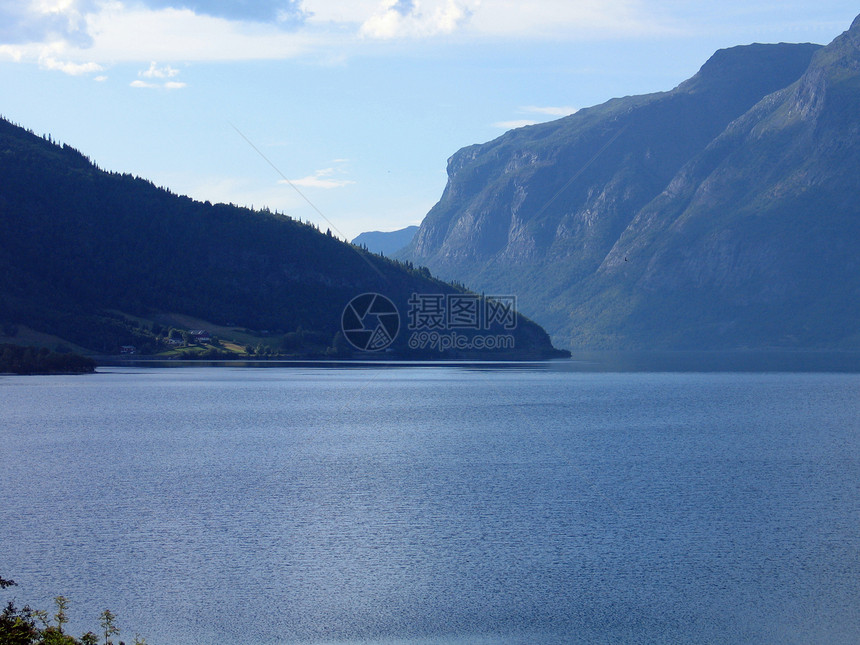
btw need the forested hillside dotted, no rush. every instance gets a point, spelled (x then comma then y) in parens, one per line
(103, 260)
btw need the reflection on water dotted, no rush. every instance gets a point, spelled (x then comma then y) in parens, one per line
(734, 361)
(592, 361)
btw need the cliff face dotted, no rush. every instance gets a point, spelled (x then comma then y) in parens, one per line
(720, 214)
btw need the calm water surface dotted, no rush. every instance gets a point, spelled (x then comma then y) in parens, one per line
(436, 505)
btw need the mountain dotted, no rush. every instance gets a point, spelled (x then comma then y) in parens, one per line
(96, 261)
(386, 243)
(720, 214)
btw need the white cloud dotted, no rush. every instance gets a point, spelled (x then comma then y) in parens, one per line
(410, 19)
(155, 71)
(159, 73)
(320, 179)
(16, 54)
(169, 85)
(29, 21)
(545, 111)
(336, 12)
(564, 110)
(510, 125)
(47, 61)
(567, 19)
(105, 32)
(134, 34)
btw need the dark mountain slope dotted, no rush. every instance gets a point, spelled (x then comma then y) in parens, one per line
(81, 250)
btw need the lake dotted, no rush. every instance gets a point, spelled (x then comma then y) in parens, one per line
(444, 504)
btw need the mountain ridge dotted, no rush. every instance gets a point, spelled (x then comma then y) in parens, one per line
(586, 132)
(636, 240)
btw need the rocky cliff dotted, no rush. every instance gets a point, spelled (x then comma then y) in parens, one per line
(722, 213)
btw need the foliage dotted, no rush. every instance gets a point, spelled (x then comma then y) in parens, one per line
(20, 626)
(107, 620)
(33, 360)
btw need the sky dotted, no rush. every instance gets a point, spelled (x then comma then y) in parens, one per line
(344, 113)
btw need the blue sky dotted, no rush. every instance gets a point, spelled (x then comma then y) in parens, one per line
(358, 104)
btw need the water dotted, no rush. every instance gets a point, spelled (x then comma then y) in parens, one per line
(436, 505)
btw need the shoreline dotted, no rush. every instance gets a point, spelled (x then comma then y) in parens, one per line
(579, 361)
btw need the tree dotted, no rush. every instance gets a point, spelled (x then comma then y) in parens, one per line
(52, 635)
(17, 627)
(107, 619)
(60, 616)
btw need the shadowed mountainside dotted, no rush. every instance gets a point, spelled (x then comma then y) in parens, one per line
(100, 260)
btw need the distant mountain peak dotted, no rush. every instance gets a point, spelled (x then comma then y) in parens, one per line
(736, 67)
(386, 242)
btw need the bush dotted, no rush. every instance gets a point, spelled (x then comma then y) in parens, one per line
(20, 626)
